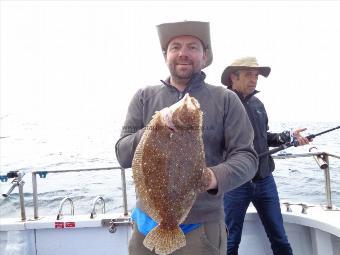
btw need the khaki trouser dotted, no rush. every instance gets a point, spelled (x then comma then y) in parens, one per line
(209, 239)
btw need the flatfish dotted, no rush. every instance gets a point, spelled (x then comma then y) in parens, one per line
(169, 171)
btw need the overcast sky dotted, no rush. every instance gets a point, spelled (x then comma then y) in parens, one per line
(67, 59)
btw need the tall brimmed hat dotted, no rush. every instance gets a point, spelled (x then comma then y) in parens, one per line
(201, 30)
(243, 64)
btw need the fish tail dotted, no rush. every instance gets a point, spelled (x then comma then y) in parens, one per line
(165, 241)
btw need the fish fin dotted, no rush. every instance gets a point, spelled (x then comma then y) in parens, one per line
(165, 241)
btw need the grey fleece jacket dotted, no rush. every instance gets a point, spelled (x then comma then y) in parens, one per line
(227, 136)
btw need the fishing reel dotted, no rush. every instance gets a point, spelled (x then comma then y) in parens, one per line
(288, 137)
(285, 137)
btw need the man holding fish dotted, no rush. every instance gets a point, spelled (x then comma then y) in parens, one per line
(188, 142)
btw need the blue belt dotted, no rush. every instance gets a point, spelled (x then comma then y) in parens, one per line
(145, 223)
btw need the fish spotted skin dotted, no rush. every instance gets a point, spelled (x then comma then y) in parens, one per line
(168, 170)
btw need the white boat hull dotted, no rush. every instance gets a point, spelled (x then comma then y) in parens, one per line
(314, 233)
(71, 235)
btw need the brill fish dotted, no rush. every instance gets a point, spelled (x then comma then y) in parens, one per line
(169, 171)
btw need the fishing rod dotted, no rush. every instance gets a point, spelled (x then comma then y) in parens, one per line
(295, 142)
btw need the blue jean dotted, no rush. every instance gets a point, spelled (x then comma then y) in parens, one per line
(263, 194)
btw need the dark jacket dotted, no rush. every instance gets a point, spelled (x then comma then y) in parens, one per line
(227, 137)
(262, 138)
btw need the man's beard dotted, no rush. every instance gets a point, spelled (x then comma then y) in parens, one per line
(181, 74)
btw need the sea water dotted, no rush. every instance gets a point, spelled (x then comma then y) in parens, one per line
(36, 145)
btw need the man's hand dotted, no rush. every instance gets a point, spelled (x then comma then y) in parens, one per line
(301, 139)
(209, 181)
(166, 114)
(213, 181)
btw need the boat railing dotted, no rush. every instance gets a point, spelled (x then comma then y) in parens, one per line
(16, 182)
(95, 202)
(304, 206)
(60, 210)
(43, 174)
(321, 158)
